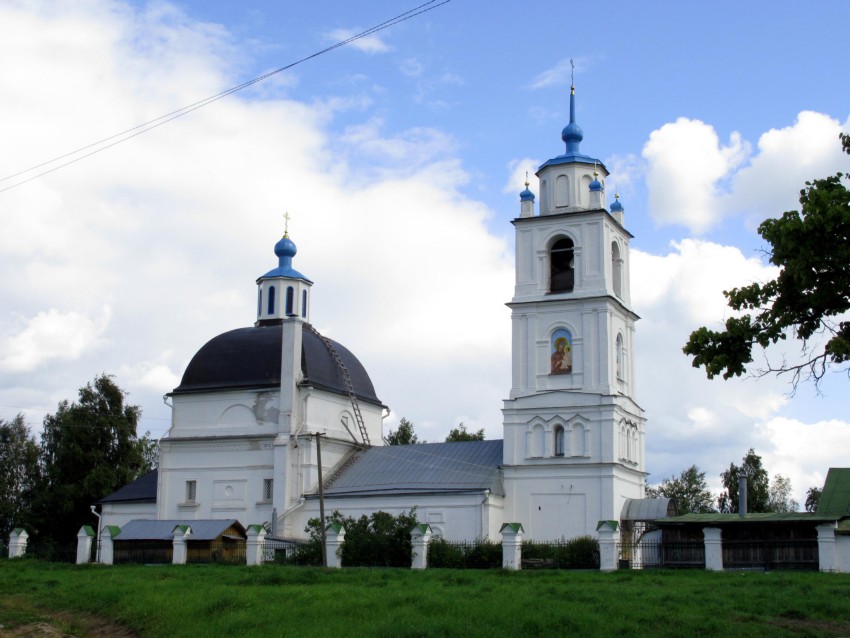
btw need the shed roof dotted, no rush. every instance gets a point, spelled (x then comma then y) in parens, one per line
(142, 490)
(647, 509)
(835, 498)
(152, 530)
(466, 466)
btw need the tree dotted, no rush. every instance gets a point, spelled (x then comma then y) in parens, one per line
(812, 499)
(689, 490)
(403, 435)
(20, 474)
(807, 299)
(460, 434)
(780, 499)
(89, 449)
(758, 485)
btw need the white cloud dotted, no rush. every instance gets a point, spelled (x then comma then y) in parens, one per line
(558, 75)
(368, 44)
(685, 164)
(522, 171)
(694, 181)
(53, 336)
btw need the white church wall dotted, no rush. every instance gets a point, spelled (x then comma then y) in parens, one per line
(451, 516)
(228, 478)
(325, 411)
(122, 513)
(225, 413)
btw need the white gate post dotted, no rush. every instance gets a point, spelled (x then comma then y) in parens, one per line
(255, 545)
(826, 547)
(18, 542)
(106, 547)
(512, 546)
(713, 542)
(420, 536)
(335, 538)
(608, 532)
(179, 553)
(84, 538)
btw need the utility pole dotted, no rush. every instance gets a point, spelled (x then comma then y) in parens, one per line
(321, 501)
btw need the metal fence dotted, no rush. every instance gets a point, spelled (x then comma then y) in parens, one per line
(652, 554)
(52, 553)
(285, 551)
(771, 555)
(150, 553)
(226, 552)
(576, 553)
(477, 554)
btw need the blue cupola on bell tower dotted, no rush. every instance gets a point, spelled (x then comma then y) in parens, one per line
(283, 292)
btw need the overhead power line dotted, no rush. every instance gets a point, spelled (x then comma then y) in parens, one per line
(130, 133)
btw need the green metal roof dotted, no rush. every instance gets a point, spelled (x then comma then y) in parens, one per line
(727, 519)
(835, 498)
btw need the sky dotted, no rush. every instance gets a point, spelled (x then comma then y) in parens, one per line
(399, 158)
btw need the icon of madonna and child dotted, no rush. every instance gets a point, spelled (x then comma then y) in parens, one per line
(562, 355)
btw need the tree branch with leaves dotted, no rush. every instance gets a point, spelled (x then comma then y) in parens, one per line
(808, 301)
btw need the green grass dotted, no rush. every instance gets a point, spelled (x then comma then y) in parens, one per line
(210, 600)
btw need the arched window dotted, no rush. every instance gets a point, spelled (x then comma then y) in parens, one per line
(537, 441)
(616, 269)
(271, 300)
(304, 303)
(619, 355)
(290, 300)
(559, 441)
(561, 266)
(562, 191)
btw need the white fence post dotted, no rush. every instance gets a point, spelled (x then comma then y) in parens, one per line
(713, 542)
(608, 531)
(255, 545)
(106, 547)
(826, 547)
(420, 536)
(84, 538)
(335, 538)
(512, 546)
(18, 542)
(179, 552)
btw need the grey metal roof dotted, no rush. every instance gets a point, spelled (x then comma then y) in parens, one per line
(647, 509)
(250, 358)
(202, 530)
(422, 468)
(142, 490)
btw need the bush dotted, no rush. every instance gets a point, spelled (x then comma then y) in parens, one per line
(478, 554)
(379, 540)
(581, 552)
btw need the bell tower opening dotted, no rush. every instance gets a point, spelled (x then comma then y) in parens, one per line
(562, 266)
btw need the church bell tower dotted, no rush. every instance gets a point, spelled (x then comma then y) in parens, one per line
(573, 432)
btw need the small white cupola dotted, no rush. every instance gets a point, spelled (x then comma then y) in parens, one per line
(526, 199)
(283, 292)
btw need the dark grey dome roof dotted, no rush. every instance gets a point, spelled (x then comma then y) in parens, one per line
(250, 358)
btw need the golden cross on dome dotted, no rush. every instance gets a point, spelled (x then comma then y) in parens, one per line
(286, 224)
(526, 179)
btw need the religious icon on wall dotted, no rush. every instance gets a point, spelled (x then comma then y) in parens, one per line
(562, 353)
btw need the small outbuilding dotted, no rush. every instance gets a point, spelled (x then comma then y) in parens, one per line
(207, 541)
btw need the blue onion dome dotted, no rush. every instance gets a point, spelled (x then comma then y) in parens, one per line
(285, 247)
(572, 133)
(596, 185)
(616, 207)
(526, 195)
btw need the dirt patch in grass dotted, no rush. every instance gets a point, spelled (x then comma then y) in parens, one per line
(59, 625)
(810, 627)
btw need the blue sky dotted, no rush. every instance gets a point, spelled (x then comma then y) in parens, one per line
(399, 158)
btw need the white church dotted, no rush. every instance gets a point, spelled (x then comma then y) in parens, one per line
(263, 412)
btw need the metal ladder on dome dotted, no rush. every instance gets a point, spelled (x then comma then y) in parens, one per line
(349, 386)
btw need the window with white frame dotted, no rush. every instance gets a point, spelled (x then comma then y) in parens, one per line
(191, 491)
(268, 489)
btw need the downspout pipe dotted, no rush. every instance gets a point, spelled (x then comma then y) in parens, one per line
(742, 496)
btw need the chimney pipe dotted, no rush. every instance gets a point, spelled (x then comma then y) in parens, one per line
(742, 496)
